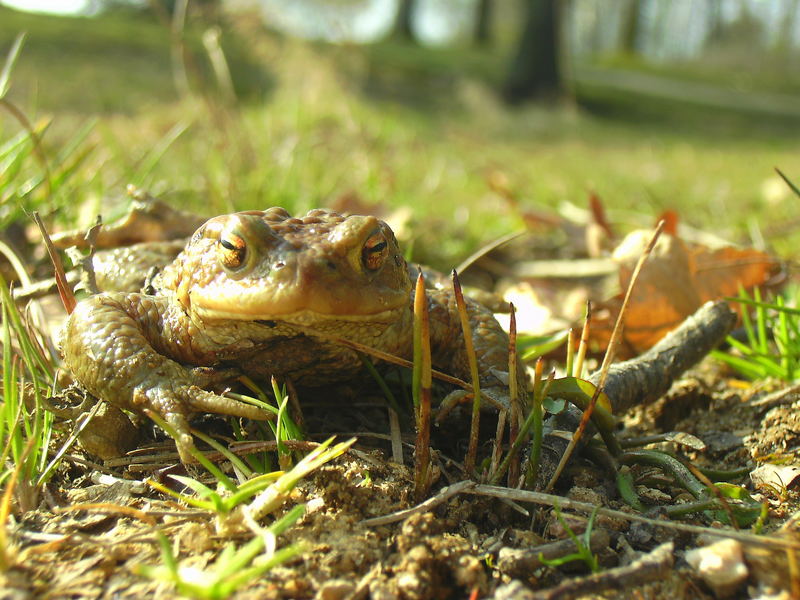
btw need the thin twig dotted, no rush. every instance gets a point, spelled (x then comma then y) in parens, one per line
(565, 503)
(787, 395)
(516, 495)
(443, 496)
(396, 436)
(650, 567)
(516, 419)
(109, 508)
(607, 359)
(522, 561)
(788, 182)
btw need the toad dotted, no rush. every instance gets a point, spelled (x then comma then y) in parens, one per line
(264, 293)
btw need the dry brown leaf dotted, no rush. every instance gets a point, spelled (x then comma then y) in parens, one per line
(676, 280)
(775, 477)
(724, 271)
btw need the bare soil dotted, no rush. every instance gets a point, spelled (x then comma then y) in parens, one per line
(450, 551)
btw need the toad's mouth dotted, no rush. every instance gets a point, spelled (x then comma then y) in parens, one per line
(301, 317)
(302, 299)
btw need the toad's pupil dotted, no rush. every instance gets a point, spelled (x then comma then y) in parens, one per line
(377, 247)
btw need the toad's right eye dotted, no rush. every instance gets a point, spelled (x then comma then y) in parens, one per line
(375, 250)
(232, 252)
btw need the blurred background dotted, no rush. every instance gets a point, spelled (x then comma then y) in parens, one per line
(456, 118)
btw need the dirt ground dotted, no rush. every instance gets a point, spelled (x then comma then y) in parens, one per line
(454, 550)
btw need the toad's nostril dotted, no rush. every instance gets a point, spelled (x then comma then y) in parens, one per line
(279, 265)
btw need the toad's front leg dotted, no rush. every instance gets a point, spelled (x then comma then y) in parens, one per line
(490, 343)
(118, 346)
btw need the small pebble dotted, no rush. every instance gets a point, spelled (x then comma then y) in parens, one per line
(336, 589)
(721, 565)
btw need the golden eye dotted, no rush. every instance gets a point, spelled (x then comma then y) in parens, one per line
(232, 251)
(374, 252)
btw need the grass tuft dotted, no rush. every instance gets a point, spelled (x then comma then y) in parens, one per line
(231, 570)
(771, 347)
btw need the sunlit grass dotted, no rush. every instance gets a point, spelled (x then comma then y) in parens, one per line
(235, 567)
(771, 347)
(25, 426)
(315, 132)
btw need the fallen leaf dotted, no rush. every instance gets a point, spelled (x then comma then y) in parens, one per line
(775, 477)
(674, 282)
(723, 272)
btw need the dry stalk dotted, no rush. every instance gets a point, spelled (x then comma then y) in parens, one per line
(109, 508)
(516, 420)
(472, 359)
(650, 567)
(498, 442)
(551, 500)
(584, 343)
(64, 290)
(395, 435)
(422, 390)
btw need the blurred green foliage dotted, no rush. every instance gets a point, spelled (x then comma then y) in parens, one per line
(390, 124)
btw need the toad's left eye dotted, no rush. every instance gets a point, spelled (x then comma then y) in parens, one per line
(374, 252)
(232, 251)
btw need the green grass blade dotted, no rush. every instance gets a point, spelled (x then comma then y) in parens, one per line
(235, 460)
(278, 557)
(153, 158)
(743, 366)
(8, 67)
(190, 500)
(761, 322)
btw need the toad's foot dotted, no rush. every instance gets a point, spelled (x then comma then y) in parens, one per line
(175, 402)
(107, 347)
(496, 397)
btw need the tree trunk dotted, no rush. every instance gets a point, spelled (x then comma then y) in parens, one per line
(404, 20)
(483, 23)
(787, 27)
(535, 72)
(629, 35)
(714, 28)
